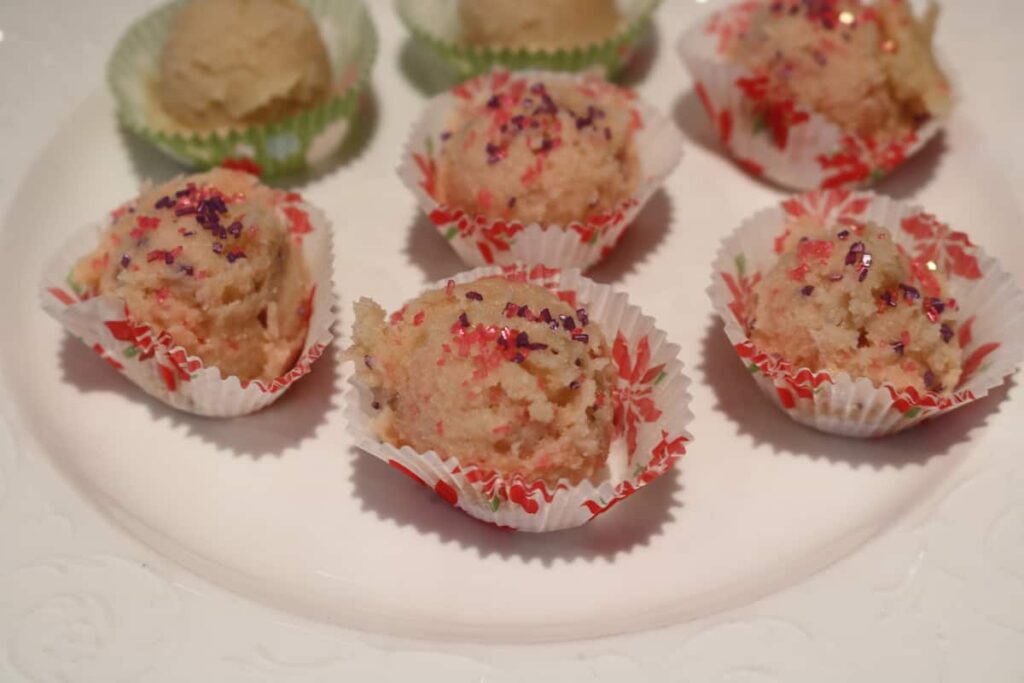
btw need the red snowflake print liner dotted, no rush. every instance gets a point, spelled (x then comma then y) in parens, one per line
(482, 240)
(150, 358)
(990, 314)
(783, 142)
(651, 415)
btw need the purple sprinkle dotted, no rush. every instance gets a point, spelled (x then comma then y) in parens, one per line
(164, 202)
(522, 340)
(575, 384)
(856, 249)
(897, 346)
(582, 315)
(184, 211)
(579, 362)
(946, 332)
(125, 260)
(502, 341)
(475, 296)
(537, 88)
(807, 290)
(805, 238)
(218, 247)
(188, 233)
(581, 337)
(186, 269)
(494, 102)
(523, 310)
(929, 379)
(819, 58)
(183, 193)
(235, 255)
(168, 258)
(518, 358)
(545, 315)
(493, 153)
(446, 134)
(937, 305)
(909, 292)
(511, 202)
(843, 234)
(607, 133)
(567, 322)
(537, 346)
(235, 229)
(368, 362)
(464, 319)
(889, 299)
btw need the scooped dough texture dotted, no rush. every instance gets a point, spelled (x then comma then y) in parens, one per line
(234, 292)
(554, 153)
(538, 23)
(844, 299)
(498, 374)
(230, 62)
(869, 68)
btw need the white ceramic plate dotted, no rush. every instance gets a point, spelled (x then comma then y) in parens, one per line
(280, 508)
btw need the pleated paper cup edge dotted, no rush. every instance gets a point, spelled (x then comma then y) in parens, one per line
(770, 220)
(565, 501)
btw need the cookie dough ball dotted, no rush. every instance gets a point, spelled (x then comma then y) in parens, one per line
(208, 259)
(868, 68)
(553, 152)
(844, 299)
(232, 62)
(498, 374)
(538, 23)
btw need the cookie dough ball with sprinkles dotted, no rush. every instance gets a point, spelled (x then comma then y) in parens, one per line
(538, 23)
(498, 374)
(844, 298)
(867, 67)
(209, 260)
(553, 151)
(229, 62)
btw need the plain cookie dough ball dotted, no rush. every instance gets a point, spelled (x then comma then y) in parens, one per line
(868, 68)
(553, 152)
(499, 374)
(538, 23)
(844, 299)
(209, 260)
(232, 62)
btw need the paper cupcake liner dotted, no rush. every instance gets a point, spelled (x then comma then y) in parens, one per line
(150, 358)
(480, 241)
(291, 144)
(800, 149)
(651, 397)
(436, 24)
(990, 315)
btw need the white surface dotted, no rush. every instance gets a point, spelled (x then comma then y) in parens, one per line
(277, 507)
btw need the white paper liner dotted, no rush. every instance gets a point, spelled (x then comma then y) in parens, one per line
(164, 370)
(481, 241)
(853, 161)
(530, 506)
(993, 342)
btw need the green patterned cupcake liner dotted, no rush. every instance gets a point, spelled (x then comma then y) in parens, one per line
(291, 144)
(436, 24)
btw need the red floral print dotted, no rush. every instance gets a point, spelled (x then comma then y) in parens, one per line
(632, 396)
(863, 160)
(935, 243)
(776, 115)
